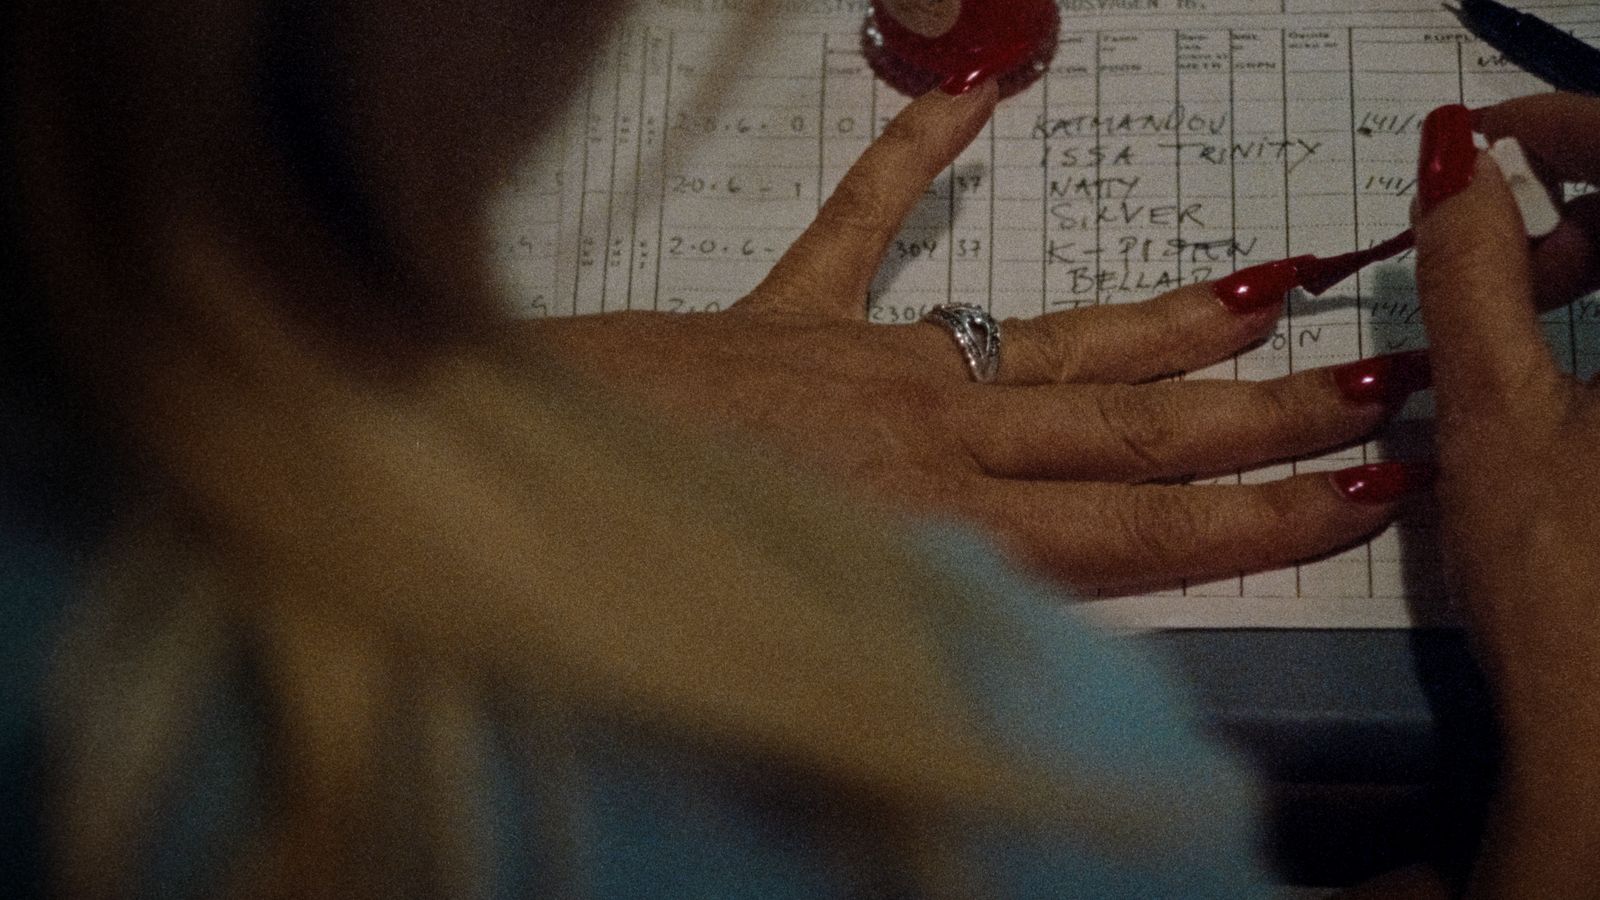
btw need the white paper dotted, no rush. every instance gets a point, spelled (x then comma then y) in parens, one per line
(1173, 141)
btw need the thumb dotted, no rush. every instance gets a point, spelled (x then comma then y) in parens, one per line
(1476, 293)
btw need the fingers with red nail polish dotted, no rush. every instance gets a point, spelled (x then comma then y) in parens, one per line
(1201, 530)
(1385, 482)
(1258, 287)
(1387, 379)
(1447, 155)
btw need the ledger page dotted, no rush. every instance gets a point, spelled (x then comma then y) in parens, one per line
(1172, 141)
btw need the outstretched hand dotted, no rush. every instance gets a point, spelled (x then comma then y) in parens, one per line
(1066, 456)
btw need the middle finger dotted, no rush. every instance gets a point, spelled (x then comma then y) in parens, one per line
(1181, 330)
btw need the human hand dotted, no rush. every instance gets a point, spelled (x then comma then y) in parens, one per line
(1519, 440)
(1058, 457)
(1519, 449)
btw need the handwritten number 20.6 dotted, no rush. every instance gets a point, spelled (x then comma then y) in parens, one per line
(731, 186)
(702, 124)
(681, 305)
(688, 184)
(678, 245)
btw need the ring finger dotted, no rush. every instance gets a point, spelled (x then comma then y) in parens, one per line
(1183, 329)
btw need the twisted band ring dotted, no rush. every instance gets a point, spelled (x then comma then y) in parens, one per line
(976, 334)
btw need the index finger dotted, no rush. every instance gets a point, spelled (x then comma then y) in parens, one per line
(1558, 131)
(831, 265)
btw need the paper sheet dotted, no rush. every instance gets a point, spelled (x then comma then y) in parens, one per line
(1173, 141)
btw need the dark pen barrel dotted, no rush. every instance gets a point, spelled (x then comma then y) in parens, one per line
(1534, 45)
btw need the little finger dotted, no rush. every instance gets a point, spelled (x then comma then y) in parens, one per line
(1172, 429)
(1127, 536)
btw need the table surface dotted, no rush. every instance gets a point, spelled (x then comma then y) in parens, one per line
(1377, 746)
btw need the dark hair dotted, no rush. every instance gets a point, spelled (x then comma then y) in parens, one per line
(255, 222)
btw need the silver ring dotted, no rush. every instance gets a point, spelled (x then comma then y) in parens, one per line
(976, 333)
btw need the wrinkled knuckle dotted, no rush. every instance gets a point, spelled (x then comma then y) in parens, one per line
(858, 207)
(1029, 352)
(1062, 355)
(1164, 526)
(1174, 324)
(1144, 422)
(908, 137)
(1288, 411)
(1277, 513)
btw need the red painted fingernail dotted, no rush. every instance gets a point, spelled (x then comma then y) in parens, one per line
(1258, 287)
(1445, 162)
(1383, 482)
(1387, 379)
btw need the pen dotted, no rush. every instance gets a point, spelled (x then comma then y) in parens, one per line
(1533, 45)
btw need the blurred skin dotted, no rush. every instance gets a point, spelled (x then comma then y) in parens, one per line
(442, 100)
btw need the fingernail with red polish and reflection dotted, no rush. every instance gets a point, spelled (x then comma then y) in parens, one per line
(1383, 482)
(1447, 155)
(1387, 379)
(1258, 287)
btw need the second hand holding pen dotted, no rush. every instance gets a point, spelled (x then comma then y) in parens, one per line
(1533, 45)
